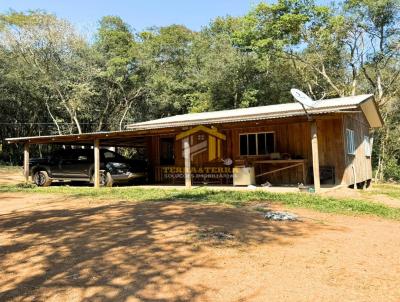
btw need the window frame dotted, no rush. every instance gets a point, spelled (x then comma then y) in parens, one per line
(367, 146)
(256, 136)
(350, 142)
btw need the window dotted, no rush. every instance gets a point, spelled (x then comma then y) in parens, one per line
(251, 144)
(109, 154)
(243, 144)
(201, 137)
(367, 146)
(257, 143)
(69, 154)
(350, 144)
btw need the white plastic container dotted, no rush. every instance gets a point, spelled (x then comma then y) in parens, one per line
(243, 176)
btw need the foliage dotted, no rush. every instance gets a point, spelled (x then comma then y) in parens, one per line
(60, 82)
(392, 170)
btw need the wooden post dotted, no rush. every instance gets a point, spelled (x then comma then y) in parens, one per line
(26, 162)
(96, 173)
(355, 176)
(186, 155)
(315, 157)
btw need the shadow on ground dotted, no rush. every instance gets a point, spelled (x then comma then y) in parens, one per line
(142, 251)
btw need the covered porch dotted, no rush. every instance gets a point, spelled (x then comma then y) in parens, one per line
(176, 160)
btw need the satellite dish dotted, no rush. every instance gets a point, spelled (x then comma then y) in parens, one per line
(302, 98)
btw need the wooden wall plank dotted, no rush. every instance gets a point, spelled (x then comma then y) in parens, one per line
(26, 162)
(362, 164)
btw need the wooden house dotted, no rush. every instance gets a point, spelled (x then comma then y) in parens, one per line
(282, 144)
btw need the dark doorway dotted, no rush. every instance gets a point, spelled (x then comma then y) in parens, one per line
(167, 154)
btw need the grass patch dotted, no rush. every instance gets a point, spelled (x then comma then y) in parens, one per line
(24, 185)
(391, 190)
(231, 198)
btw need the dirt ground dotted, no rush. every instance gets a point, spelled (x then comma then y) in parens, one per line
(11, 175)
(54, 248)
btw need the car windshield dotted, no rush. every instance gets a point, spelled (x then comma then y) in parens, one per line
(110, 155)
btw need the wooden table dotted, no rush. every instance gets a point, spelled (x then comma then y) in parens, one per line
(292, 163)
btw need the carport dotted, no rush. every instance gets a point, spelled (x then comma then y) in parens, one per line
(126, 138)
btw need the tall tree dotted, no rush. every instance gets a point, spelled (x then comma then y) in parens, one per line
(377, 28)
(165, 53)
(121, 76)
(50, 50)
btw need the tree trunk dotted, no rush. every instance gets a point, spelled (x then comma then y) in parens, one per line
(124, 115)
(378, 168)
(78, 125)
(353, 87)
(379, 175)
(71, 112)
(103, 114)
(383, 148)
(53, 118)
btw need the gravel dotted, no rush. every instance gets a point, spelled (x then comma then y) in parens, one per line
(280, 216)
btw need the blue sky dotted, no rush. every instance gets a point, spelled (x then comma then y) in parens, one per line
(140, 14)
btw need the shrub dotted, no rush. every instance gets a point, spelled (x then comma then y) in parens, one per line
(392, 170)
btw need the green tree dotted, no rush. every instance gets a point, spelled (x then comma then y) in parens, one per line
(164, 55)
(120, 81)
(53, 57)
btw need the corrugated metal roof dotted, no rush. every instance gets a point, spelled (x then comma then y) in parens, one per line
(254, 113)
(80, 137)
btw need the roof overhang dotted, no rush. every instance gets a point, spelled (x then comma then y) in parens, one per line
(371, 112)
(125, 138)
(225, 120)
(364, 102)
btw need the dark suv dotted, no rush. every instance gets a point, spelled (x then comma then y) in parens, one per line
(78, 165)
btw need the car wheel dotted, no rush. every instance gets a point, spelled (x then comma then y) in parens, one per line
(41, 179)
(106, 179)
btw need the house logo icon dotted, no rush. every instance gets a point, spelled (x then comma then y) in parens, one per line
(199, 143)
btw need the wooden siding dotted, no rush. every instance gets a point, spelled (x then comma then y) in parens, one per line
(330, 146)
(291, 136)
(293, 139)
(361, 163)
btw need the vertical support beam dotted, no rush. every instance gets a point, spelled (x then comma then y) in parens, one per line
(315, 157)
(96, 171)
(26, 162)
(355, 176)
(186, 155)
